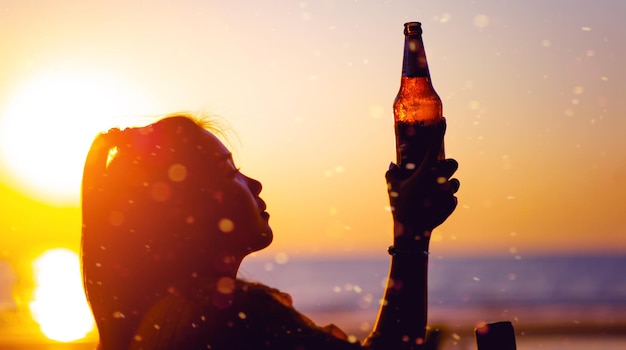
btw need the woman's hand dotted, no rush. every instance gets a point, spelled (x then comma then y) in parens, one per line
(424, 199)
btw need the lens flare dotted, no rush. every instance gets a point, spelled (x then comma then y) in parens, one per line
(59, 305)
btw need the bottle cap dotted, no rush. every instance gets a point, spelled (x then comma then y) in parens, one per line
(413, 28)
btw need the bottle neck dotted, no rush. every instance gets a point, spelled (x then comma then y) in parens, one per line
(414, 63)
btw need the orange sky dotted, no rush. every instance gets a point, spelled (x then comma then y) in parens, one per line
(533, 94)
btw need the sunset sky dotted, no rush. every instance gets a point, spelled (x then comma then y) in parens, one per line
(534, 93)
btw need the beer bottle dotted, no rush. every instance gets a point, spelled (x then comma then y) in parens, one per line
(417, 107)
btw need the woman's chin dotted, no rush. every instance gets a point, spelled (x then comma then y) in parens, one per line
(264, 241)
(269, 237)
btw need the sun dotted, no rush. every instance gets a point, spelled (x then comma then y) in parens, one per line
(59, 305)
(49, 123)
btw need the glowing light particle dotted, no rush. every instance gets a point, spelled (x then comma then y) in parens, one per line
(116, 218)
(481, 21)
(226, 225)
(160, 192)
(444, 18)
(281, 258)
(226, 285)
(177, 172)
(377, 112)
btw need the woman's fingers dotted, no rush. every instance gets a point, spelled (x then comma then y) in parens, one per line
(454, 185)
(446, 168)
(441, 174)
(393, 174)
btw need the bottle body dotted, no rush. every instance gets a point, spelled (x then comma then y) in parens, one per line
(417, 107)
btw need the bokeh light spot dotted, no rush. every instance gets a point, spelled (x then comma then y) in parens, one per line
(226, 285)
(281, 258)
(177, 172)
(226, 225)
(116, 218)
(377, 112)
(160, 191)
(481, 21)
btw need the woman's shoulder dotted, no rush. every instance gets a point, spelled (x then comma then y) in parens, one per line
(248, 315)
(271, 311)
(255, 294)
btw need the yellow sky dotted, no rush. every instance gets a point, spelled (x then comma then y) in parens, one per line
(533, 94)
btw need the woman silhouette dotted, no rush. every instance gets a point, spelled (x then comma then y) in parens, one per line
(168, 218)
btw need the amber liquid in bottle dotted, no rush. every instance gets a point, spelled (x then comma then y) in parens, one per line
(417, 108)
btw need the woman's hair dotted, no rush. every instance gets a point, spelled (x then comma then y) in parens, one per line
(147, 200)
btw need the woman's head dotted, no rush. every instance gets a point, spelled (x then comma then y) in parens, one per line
(163, 204)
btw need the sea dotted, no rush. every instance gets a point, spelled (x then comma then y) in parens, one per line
(553, 302)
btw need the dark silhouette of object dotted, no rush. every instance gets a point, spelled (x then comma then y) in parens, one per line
(168, 218)
(417, 108)
(433, 339)
(495, 336)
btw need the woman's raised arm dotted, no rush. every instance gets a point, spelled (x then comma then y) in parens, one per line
(420, 201)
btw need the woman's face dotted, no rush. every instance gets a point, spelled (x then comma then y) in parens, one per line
(242, 218)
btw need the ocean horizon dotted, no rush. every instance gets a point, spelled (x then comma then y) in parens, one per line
(549, 300)
(554, 302)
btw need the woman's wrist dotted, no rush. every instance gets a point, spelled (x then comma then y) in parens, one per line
(401, 245)
(412, 252)
(410, 229)
(406, 237)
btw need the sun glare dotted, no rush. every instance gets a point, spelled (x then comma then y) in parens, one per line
(59, 305)
(49, 123)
